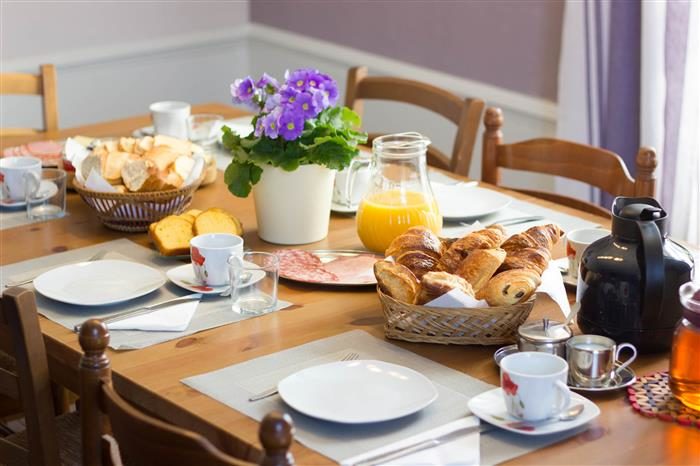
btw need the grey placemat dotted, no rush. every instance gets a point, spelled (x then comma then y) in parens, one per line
(213, 311)
(10, 218)
(233, 386)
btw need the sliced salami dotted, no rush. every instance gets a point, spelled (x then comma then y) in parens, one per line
(50, 152)
(304, 266)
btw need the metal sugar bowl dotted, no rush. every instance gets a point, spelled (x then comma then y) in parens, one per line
(545, 336)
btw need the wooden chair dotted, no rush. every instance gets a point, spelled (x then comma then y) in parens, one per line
(146, 441)
(465, 113)
(20, 337)
(43, 84)
(598, 167)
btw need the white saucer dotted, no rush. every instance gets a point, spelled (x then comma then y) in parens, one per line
(343, 209)
(141, 132)
(463, 201)
(184, 277)
(47, 189)
(490, 407)
(357, 392)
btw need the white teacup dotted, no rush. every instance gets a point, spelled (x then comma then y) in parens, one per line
(210, 254)
(170, 118)
(352, 183)
(576, 243)
(16, 173)
(534, 385)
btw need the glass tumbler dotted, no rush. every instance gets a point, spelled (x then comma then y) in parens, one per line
(204, 128)
(46, 194)
(254, 277)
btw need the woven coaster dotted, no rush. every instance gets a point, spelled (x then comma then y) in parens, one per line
(651, 396)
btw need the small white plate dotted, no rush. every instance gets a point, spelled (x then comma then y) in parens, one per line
(184, 277)
(490, 407)
(357, 392)
(99, 282)
(47, 189)
(141, 132)
(464, 202)
(343, 209)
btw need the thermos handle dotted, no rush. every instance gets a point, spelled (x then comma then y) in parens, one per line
(653, 248)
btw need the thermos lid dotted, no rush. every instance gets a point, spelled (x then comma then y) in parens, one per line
(544, 331)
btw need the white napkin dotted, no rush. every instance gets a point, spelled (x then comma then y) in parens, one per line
(175, 318)
(552, 285)
(463, 450)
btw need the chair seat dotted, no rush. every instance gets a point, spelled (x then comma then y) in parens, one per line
(68, 430)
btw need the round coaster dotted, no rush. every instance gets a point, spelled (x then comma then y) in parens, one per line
(651, 396)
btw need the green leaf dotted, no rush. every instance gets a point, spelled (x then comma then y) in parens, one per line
(240, 177)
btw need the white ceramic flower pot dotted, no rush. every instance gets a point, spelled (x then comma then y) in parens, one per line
(294, 207)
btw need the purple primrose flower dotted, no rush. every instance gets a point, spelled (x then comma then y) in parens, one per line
(243, 90)
(291, 123)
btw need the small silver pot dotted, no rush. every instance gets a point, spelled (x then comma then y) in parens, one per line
(545, 336)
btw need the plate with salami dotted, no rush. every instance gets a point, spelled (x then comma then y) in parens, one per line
(328, 267)
(50, 152)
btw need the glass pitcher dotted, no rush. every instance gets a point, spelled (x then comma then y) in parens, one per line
(399, 194)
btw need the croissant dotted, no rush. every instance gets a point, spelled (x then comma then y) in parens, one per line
(416, 239)
(418, 262)
(488, 238)
(510, 287)
(436, 284)
(545, 236)
(396, 281)
(535, 259)
(480, 265)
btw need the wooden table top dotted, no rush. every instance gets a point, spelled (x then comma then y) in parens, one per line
(151, 377)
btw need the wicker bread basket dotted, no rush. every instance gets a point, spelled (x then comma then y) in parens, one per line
(458, 326)
(133, 212)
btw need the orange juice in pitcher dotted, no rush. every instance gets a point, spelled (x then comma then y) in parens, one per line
(399, 195)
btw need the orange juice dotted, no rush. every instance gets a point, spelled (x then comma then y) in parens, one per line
(383, 216)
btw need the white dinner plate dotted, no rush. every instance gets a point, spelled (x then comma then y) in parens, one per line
(356, 392)
(490, 407)
(47, 189)
(464, 202)
(98, 283)
(184, 277)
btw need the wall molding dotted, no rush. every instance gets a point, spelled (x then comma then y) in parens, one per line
(543, 109)
(523, 103)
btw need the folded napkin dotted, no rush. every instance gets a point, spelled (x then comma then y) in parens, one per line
(175, 318)
(462, 450)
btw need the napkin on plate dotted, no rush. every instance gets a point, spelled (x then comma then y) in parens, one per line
(462, 450)
(175, 318)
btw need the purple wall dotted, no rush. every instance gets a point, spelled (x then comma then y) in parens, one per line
(510, 44)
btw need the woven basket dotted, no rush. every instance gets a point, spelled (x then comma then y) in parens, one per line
(133, 212)
(457, 326)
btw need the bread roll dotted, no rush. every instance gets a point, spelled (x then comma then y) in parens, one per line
(90, 163)
(113, 164)
(418, 262)
(135, 173)
(510, 287)
(544, 236)
(396, 281)
(179, 146)
(417, 238)
(480, 265)
(127, 144)
(488, 238)
(183, 166)
(162, 157)
(436, 284)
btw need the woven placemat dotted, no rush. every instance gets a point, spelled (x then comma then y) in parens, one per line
(651, 396)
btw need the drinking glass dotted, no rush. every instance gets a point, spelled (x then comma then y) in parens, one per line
(204, 128)
(46, 194)
(254, 277)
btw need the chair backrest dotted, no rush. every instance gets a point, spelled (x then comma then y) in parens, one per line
(20, 337)
(144, 440)
(597, 167)
(43, 84)
(465, 113)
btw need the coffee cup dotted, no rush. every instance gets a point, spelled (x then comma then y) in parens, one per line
(170, 118)
(534, 385)
(576, 243)
(592, 360)
(16, 173)
(210, 255)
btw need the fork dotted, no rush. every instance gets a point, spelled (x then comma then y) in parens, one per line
(99, 255)
(273, 391)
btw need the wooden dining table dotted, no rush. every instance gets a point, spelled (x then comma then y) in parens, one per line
(150, 377)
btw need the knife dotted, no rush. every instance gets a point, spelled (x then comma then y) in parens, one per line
(416, 447)
(143, 310)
